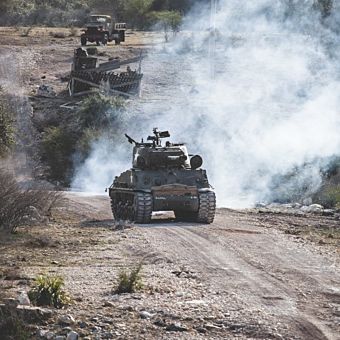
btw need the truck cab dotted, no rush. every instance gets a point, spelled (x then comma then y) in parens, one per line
(101, 29)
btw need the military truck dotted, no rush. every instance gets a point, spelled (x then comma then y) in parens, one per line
(162, 178)
(101, 29)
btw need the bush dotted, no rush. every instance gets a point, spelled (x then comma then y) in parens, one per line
(328, 196)
(129, 283)
(48, 291)
(57, 147)
(6, 125)
(99, 111)
(168, 21)
(17, 205)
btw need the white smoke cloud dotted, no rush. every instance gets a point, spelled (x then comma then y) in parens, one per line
(257, 96)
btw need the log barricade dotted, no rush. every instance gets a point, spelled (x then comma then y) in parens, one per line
(86, 76)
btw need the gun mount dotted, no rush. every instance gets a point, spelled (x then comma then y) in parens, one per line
(162, 178)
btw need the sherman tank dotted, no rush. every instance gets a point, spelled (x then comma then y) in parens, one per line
(162, 178)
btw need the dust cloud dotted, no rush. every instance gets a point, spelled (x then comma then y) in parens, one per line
(253, 87)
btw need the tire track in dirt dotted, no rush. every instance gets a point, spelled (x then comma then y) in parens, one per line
(225, 268)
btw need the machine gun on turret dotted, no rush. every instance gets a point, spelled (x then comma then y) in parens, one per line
(156, 139)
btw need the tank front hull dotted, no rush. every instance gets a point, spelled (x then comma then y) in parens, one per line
(175, 197)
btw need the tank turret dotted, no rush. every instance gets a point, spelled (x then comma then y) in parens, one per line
(162, 178)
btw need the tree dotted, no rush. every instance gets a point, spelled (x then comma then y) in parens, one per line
(168, 20)
(136, 12)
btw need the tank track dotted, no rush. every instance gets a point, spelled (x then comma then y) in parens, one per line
(205, 213)
(143, 207)
(134, 207)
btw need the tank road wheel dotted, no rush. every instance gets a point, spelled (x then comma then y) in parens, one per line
(114, 209)
(143, 207)
(206, 211)
(83, 41)
(122, 207)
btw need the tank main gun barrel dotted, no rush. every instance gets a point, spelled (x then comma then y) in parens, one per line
(131, 140)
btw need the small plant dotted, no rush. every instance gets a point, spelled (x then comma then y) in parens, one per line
(129, 282)
(26, 31)
(48, 291)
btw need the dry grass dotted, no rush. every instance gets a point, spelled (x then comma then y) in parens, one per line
(23, 206)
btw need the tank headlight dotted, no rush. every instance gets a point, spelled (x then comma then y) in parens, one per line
(196, 162)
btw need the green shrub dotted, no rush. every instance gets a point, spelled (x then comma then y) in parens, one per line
(99, 111)
(7, 121)
(48, 291)
(57, 147)
(129, 282)
(329, 196)
(168, 21)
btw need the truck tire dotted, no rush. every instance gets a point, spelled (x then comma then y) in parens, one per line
(83, 41)
(105, 39)
(117, 41)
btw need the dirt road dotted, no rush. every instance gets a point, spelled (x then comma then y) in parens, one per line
(241, 277)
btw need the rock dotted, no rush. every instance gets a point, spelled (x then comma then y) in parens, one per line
(24, 299)
(201, 330)
(46, 91)
(34, 314)
(336, 312)
(210, 326)
(313, 208)
(66, 320)
(49, 335)
(60, 337)
(196, 302)
(82, 324)
(41, 333)
(11, 302)
(72, 336)
(176, 327)
(108, 304)
(146, 315)
(45, 334)
(328, 212)
(159, 323)
(307, 201)
(66, 330)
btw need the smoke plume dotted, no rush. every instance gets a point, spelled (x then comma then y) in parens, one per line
(253, 87)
